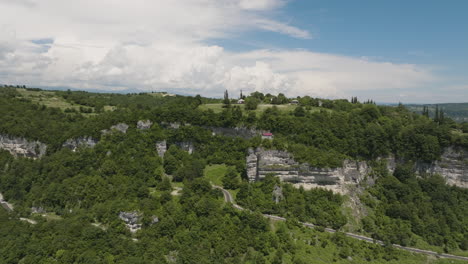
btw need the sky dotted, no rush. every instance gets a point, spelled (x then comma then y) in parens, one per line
(388, 51)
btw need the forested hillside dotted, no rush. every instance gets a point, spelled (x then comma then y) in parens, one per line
(72, 198)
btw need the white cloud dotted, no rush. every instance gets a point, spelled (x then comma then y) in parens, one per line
(159, 45)
(260, 4)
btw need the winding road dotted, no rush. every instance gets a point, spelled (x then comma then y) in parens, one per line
(229, 199)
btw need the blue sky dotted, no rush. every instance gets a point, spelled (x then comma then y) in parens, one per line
(389, 51)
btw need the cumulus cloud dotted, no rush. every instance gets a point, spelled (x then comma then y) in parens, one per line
(260, 4)
(161, 45)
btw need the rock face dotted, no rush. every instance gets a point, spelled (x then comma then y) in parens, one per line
(252, 165)
(20, 147)
(452, 167)
(38, 210)
(281, 163)
(131, 220)
(186, 145)
(161, 148)
(75, 143)
(144, 124)
(242, 132)
(278, 194)
(121, 127)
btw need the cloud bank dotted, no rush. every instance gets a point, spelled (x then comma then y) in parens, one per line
(161, 45)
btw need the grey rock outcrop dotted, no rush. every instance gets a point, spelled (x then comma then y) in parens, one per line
(283, 165)
(171, 125)
(75, 143)
(154, 220)
(141, 124)
(20, 147)
(278, 194)
(121, 127)
(242, 132)
(252, 165)
(186, 145)
(132, 220)
(161, 148)
(38, 210)
(452, 166)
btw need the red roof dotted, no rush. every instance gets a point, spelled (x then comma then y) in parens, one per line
(267, 134)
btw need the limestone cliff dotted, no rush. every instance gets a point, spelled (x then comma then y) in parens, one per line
(281, 163)
(144, 124)
(161, 148)
(260, 162)
(75, 143)
(242, 132)
(453, 166)
(20, 147)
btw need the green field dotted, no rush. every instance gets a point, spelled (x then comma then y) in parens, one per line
(51, 99)
(215, 173)
(217, 108)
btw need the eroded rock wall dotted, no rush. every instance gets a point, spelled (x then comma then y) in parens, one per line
(453, 165)
(20, 147)
(242, 132)
(281, 163)
(260, 163)
(75, 143)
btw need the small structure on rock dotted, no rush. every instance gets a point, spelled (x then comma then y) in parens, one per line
(267, 135)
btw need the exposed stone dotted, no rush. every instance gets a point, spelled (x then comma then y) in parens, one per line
(278, 194)
(186, 145)
(453, 166)
(252, 164)
(242, 132)
(75, 143)
(172, 125)
(122, 127)
(6, 205)
(144, 124)
(281, 163)
(131, 220)
(154, 220)
(38, 210)
(20, 147)
(161, 148)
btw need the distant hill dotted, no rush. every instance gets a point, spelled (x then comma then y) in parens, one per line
(456, 111)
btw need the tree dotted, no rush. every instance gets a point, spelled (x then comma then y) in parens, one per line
(226, 100)
(299, 111)
(231, 179)
(251, 103)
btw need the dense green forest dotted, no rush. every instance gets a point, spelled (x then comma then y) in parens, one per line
(83, 192)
